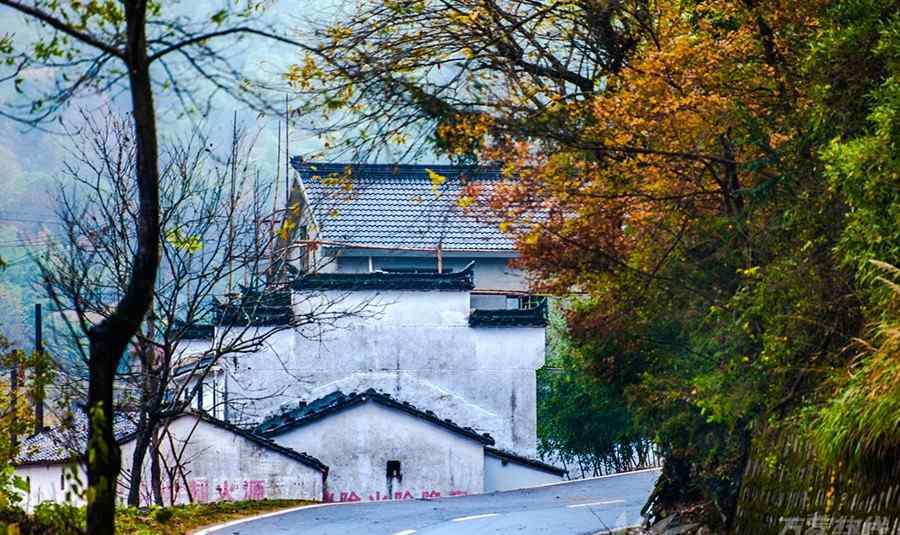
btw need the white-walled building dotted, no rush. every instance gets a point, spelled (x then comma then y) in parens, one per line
(207, 460)
(507, 471)
(420, 345)
(218, 461)
(438, 316)
(378, 448)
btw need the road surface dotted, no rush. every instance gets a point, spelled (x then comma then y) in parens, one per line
(579, 507)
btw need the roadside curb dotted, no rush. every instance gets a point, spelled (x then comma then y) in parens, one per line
(207, 530)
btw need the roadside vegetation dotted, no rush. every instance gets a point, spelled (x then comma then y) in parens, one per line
(716, 182)
(59, 519)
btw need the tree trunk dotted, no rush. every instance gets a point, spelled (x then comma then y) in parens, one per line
(141, 442)
(109, 339)
(155, 471)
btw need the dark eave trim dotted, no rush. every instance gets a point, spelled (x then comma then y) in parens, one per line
(353, 399)
(518, 459)
(259, 440)
(462, 280)
(532, 317)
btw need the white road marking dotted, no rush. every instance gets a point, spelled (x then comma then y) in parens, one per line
(473, 517)
(610, 502)
(405, 532)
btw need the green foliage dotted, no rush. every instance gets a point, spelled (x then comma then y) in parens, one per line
(583, 422)
(864, 163)
(162, 515)
(184, 518)
(16, 414)
(860, 426)
(48, 518)
(60, 518)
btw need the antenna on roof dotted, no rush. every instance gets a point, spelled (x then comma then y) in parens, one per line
(231, 199)
(274, 205)
(287, 152)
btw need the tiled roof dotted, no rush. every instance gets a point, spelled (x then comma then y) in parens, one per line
(263, 442)
(398, 206)
(337, 401)
(67, 443)
(460, 280)
(533, 463)
(255, 308)
(193, 331)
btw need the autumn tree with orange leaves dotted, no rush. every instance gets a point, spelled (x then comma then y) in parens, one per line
(670, 164)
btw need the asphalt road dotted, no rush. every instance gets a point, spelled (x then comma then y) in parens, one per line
(573, 508)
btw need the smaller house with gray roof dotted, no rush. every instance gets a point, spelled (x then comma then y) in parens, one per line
(380, 448)
(203, 459)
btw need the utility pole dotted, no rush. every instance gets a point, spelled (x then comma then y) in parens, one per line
(14, 385)
(39, 390)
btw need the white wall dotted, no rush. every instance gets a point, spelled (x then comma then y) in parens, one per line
(356, 443)
(419, 349)
(226, 466)
(501, 474)
(46, 483)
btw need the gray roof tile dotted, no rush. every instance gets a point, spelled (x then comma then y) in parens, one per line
(397, 206)
(66, 443)
(336, 401)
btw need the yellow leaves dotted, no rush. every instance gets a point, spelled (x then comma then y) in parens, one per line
(437, 179)
(405, 7)
(398, 138)
(505, 226)
(184, 242)
(286, 229)
(465, 201)
(342, 180)
(463, 18)
(461, 132)
(339, 32)
(303, 75)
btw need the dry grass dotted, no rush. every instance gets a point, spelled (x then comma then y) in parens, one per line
(860, 427)
(183, 519)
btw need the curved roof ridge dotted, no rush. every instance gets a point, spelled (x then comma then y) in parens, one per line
(337, 401)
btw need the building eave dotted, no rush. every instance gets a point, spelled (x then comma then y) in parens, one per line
(462, 280)
(273, 428)
(526, 461)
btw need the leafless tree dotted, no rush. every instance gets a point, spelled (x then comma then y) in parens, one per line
(107, 46)
(221, 272)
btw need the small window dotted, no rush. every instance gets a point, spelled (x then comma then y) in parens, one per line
(393, 470)
(62, 480)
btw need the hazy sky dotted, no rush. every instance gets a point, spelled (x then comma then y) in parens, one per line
(30, 160)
